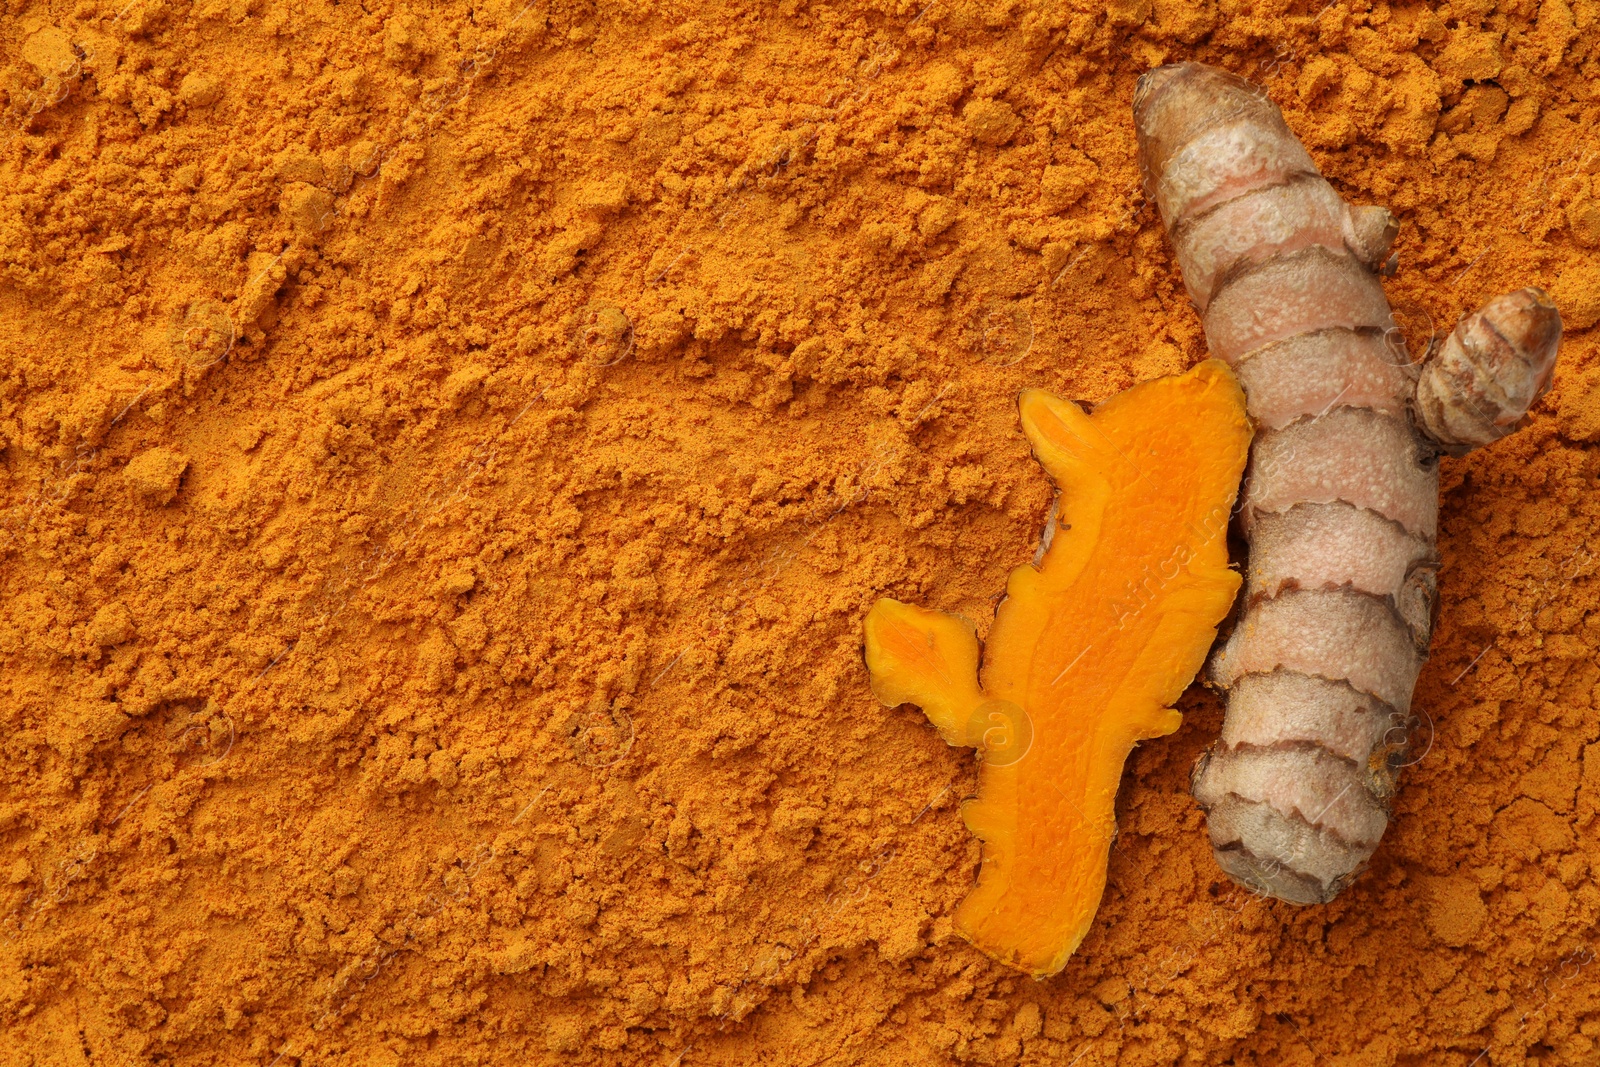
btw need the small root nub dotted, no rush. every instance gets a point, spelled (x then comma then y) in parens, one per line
(1479, 385)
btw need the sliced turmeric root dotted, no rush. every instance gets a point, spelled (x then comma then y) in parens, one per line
(1087, 651)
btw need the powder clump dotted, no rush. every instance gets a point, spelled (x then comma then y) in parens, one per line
(154, 474)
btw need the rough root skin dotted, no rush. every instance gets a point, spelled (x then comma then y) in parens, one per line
(1493, 367)
(1341, 499)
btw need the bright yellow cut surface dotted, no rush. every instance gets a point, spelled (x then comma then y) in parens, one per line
(1087, 651)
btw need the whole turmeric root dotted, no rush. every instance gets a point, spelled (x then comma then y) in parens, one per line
(1340, 506)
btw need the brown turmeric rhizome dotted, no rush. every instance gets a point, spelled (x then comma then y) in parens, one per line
(1341, 501)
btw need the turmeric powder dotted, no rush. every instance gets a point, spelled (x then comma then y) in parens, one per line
(585, 768)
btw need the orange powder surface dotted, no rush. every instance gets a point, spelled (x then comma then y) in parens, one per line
(447, 452)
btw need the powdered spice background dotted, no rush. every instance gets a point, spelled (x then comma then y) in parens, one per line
(448, 452)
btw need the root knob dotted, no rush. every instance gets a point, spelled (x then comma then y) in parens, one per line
(1481, 382)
